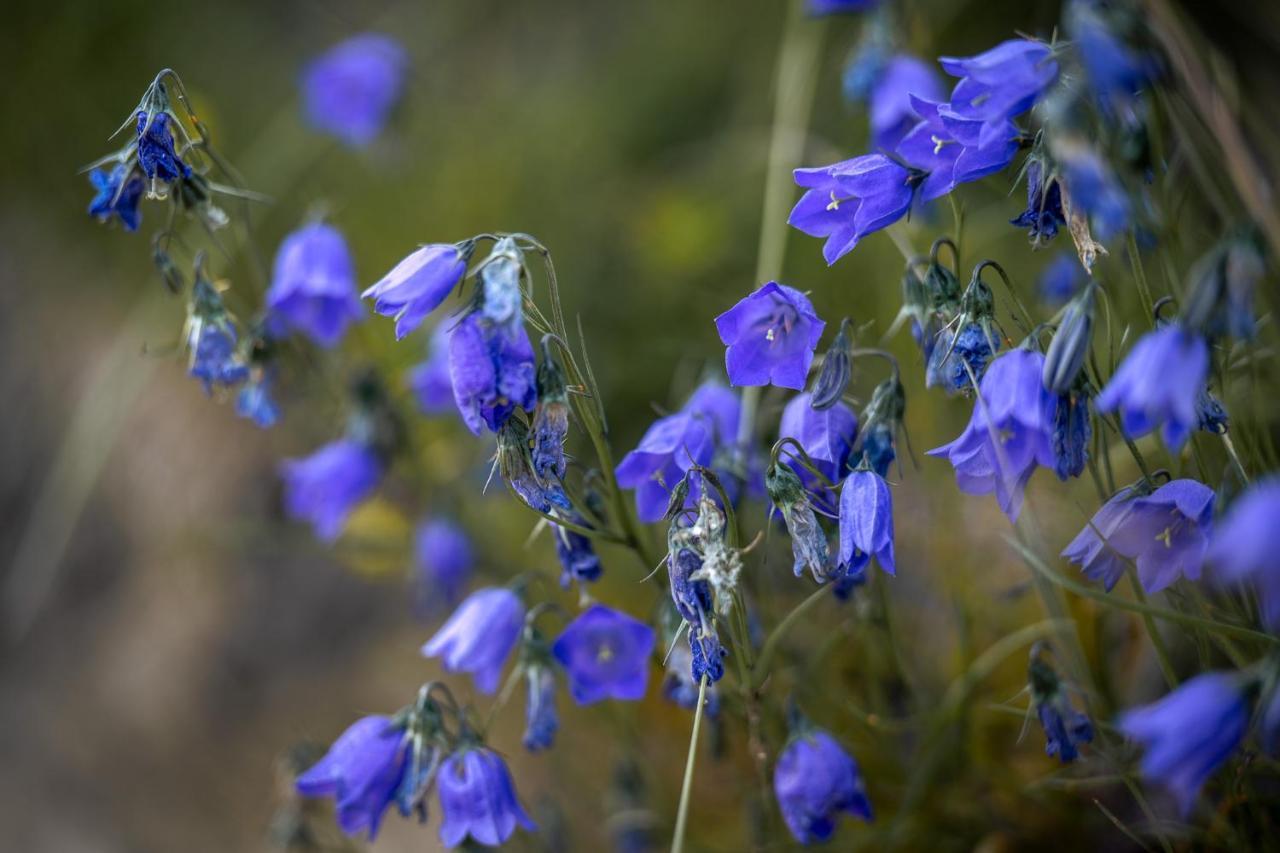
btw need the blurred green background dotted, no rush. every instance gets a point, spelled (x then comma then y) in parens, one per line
(168, 636)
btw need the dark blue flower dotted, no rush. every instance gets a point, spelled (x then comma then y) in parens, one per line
(349, 91)
(492, 370)
(1065, 728)
(444, 558)
(1246, 543)
(516, 468)
(1094, 190)
(1071, 433)
(313, 287)
(691, 596)
(1009, 433)
(706, 655)
(1189, 733)
(878, 447)
(540, 718)
(681, 685)
(815, 780)
(770, 337)
(578, 559)
(156, 155)
(605, 654)
(478, 799)
(1211, 415)
(254, 401)
(551, 421)
(323, 488)
(362, 772)
(866, 523)
(827, 436)
(1002, 82)
(891, 112)
(1158, 384)
(479, 636)
(846, 201)
(418, 284)
(1060, 278)
(1116, 73)
(973, 346)
(1044, 214)
(430, 382)
(118, 194)
(215, 358)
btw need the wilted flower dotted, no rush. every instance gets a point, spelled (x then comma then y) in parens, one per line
(891, 113)
(362, 771)
(1071, 433)
(1002, 82)
(516, 467)
(323, 488)
(882, 418)
(1211, 415)
(1158, 384)
(478, 798)
(605, 654)
(815, 780)
(493, 372)
(827, 437)
(551, 421)
(1246, 543)
(118, 194)
(866, 523)
(846, 201)
(479, 636)
(540, 718)
(418, 284)
(349, 91)
(444, 558)
(578, 559)
(808, 540)
(1190, 732)
(1065, 728)
(313, 287)
(254, 400)
(1008, 434)
(770, 337)
(211, 338)
(430, 382)
(1221, 286)
(681, 686)
(973, 346)
(1044, 215)
(156, 155)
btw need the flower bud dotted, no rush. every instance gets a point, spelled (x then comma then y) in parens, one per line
(1065, 358)
(837, 370)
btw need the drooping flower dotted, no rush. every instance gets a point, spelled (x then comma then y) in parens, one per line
(313, 287)
(1116, 72)
(1245, 545)
(827, 436)
(430, 382)
(846, 201)
(349, 91)
(1044, 214)
(551, 421)
(1166, 532)
(516, 467)
(540, 718)
(815, 780)
(578, 559)
(478, 799)
(1000, 83)
(605, 654)
(770, 337)
(418, 284)
(1071, 433)
(362, 771)
(118, 194)
(950, 149)
(681, 686)
(891, 113)
(973, 346)
(323, 488)
(1221, 285)
(692, 595)
(254, 400)
(809, 546)
(479, 636)
(214, 357)
(444, 558)
(1009, 433)
(156, 155)
(1065, 728)
(882, 418)
(1060, 278)
(866, 523)
(1158, 383)
(1190, 733)
(493, 372)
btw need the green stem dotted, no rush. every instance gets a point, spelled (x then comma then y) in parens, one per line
(770, 647)
(1157, 642)
(686, 787)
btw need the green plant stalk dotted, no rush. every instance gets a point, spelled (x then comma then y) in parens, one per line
(686, 787)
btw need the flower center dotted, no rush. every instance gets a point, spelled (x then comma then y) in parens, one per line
(939, 144)
(604, 653)
(837, 201)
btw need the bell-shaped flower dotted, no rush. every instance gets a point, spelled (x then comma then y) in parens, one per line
(815, 780)
(362, 771)
(313, 286)
(890, 111)
(957, 358)
(430, 382)
(418, 284)
(846, 201)
(478, 799)
(479, 636)
(540, 718)
(326, 486)
(1001, 83)
(605, 654)
(1245, 546)
(681, 685)
(866, 523)
(827, 437)
(255, 402)
(349, 91)
(770, 337)
(1044, 214)
(1158, 383)
(156, 155)
(444, 559)
(492, 370)
(117, 193)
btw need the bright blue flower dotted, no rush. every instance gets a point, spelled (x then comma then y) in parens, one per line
(493, 372)
(1044, 214)
(1166, 533)
(578, 559)
(1245, 546)
(349, 91)
(815, 780)
(1071, 433)
(479, 636)
(418, 284)
(827, 436)
(362, 772)
(254, 401)
(156, 155)
(866, 523)
(1116, 73)
(605, 654)
(681, 684)
(323, 488)
(540, 718)
(835, 7)
(1060, 278)
(478, 799)
(118, 194)
(891, 112)
(1000, 83)
(770, 337)
(1189, 733)
(973, 346)
(1095, 191)
(951, 149)
(846, 201)
(444, 558)
(674, 444)
(430, 382)
(1009, 433)
(1158, 384)
(313, 286)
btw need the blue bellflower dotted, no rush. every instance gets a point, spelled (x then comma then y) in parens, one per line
(118, 194)
(973, 346)
(878, 447)
(479, 636)
(215, 358)
(540, 718)
(1000, 83)
(866, 523)
(692, 598)
(478, 799)
(827, 436)
(430, 381)
(950, 149)
(444, 558)
(362, 772)
(1009, 433)
(847, 201)
(313, 286)
(418, 284)
(577, 555)
(1116, 73)
(326, 486)
(1071, 433)
(1157, 385)
(492, 370)
(815, 780)
(890, 109)
(681, 687)
(255, 402)
(1246, 543)
(349, 91)
(1044, 214)
(1065, 728)
(605, 654)
(1094, 190)
(156, 155)
(1189, 733)
(770, 337)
